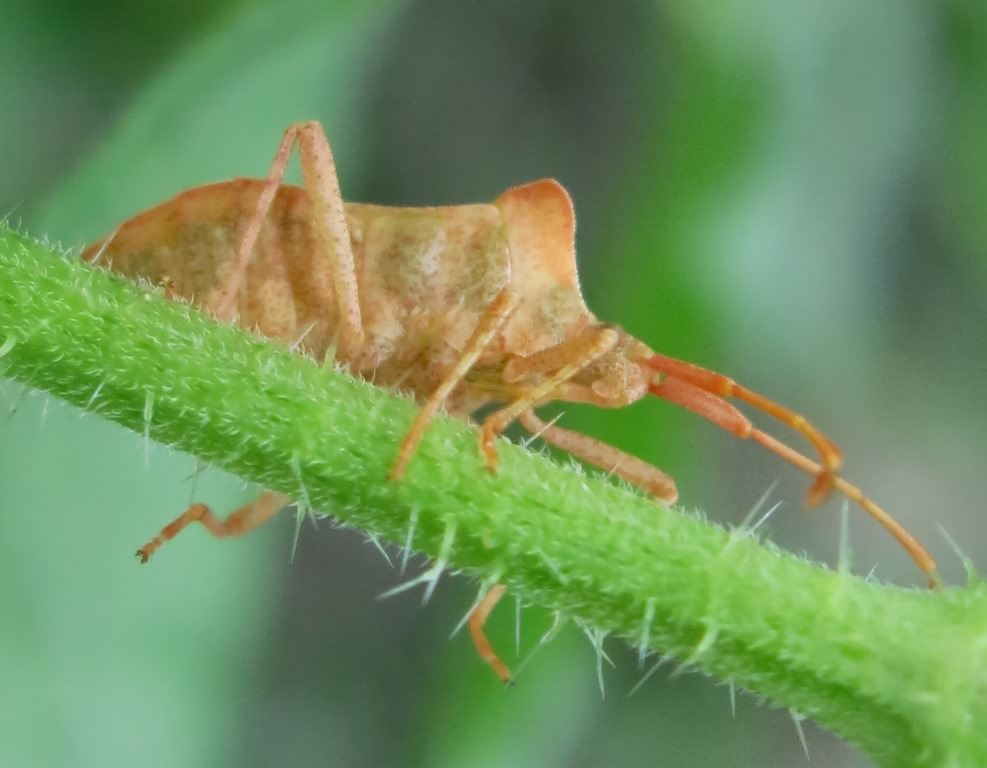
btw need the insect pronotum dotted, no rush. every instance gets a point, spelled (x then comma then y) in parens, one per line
(462, 305)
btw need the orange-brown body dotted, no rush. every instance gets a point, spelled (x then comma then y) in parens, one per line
(426, 277)
(460, 305)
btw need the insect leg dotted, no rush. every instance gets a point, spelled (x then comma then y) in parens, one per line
(598, 341)
(329, 224)
(238, 522)
(498, 313)
(477, 618)
(606, 457)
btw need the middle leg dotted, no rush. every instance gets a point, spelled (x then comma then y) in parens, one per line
(496, 315)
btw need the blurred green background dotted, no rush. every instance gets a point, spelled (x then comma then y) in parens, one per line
(793, 193)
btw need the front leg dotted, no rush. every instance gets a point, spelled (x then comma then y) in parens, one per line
(328, 223)
(578, 353)
(632, 469)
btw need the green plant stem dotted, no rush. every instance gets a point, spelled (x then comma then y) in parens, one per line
(901, 673)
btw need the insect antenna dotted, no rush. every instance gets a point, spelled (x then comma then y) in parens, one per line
(703, 392)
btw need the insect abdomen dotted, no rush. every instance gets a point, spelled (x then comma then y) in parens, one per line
(188, 244)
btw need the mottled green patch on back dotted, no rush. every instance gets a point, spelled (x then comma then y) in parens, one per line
(426, 276)
(487, 264)
(431, 259)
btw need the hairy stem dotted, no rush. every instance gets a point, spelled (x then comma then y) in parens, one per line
(901, 673)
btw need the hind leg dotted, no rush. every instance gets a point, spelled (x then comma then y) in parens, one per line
(238, 522)
(328, 223)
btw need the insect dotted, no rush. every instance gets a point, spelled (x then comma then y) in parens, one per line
(460, 305)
